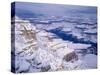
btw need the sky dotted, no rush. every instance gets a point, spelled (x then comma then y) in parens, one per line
(27, 9)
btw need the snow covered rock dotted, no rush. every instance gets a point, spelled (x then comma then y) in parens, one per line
(36, 50)
(23, 65)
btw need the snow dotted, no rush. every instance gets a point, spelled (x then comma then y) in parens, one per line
(90, 60)
(81, 26)
(36, 50)
(24, 65)
(79, 46)
(91, 31)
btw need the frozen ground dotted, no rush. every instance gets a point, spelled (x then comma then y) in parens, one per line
(54, 44)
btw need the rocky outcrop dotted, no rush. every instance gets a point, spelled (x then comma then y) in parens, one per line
(71, 56)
